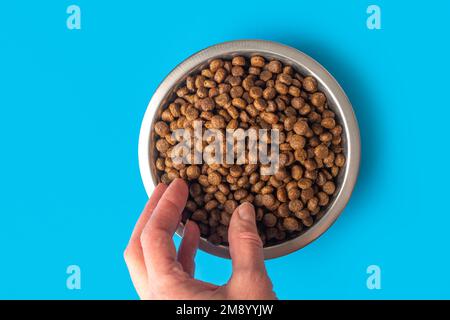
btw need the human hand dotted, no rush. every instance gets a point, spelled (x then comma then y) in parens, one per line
(159, 272)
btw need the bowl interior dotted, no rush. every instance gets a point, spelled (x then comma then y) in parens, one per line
(337, 102)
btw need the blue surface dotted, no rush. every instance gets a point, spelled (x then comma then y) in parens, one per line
(71, 103)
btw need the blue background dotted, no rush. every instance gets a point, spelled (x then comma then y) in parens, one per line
(71, 103)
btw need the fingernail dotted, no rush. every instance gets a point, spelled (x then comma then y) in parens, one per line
(246, 211)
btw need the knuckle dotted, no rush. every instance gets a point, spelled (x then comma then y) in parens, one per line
(129, 254)
(251, 238)
(146, 236)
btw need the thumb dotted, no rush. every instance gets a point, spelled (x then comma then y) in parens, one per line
(246, 248)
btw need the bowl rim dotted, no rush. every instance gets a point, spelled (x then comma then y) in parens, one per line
(327, 84)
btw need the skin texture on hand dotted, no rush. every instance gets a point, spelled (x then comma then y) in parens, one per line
(159, 272)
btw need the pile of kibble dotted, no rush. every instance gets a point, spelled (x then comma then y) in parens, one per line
(261, 94)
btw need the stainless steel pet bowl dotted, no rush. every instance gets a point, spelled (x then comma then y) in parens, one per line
(337, 101)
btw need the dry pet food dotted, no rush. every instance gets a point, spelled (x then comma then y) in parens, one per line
(261, 93)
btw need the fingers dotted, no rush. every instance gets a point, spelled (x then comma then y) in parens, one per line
(156, 238)
(133, 255)
(245, 244)
(188, 247)
(249, 279)
(149, 207)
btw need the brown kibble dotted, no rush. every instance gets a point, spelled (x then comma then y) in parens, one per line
(312, 203)
(336, 131)
(282, 195)
(219, 76)
(339, 160)
(297, 142)
(329, 187)
(257, 61)
(215, 64)
(283, 210)
(308, 222)
(162, 145)
(274, 66)
(254, 93)
(239, 103)
(321, 151)
(296, 172)
(281, 88)
(254, 71)
(225, 218)
(328, 123)
(167, 116)
(214, 178)
(301, 128)
(230, 206)
(295, 205)
(206, 104)
(236, 171)
(237, 71)
(318, 99)
(269, 117)
(260, 104)
(265, 75)
(222, 99)
(310, 174)
(193, 172)
(310, 84)
(160, 165)
(238, 61)
(191, 113)
(289, 123)
(323, 198)
(220, 197)
(304, 183)
(161, 128)
(236, 92)
(191, 205)
(293, 193)
(210, 205)
(267, 190)
(285, 78)
(269, 220)
(310, 165)
(294, 91)
(302, 214)
(199, 215)
(195, 190)
(271, 233)
(268, 200)
(290, 223)
(240, 194)
(307, 194)
(218, 122)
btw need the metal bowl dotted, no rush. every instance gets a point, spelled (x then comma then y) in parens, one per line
(337, 101)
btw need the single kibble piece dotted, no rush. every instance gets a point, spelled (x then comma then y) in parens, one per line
(290, 223)
(310, 84)
(329, 187)
(269, 220)
(295, 205)
(214, 178)
(162, 129)
(193, 172)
